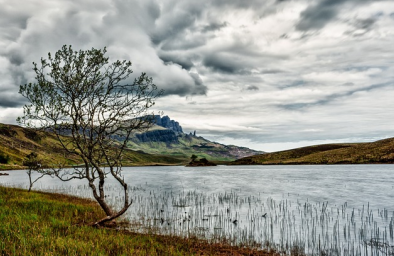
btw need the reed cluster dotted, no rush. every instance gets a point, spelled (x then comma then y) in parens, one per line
(39, 223)
(260, 222)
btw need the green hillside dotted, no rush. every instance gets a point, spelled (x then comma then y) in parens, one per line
(381, 151)
(166, 137)
(17, 142)
(164, 147)
(186, 145)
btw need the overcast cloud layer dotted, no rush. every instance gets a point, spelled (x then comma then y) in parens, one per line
(268, 74)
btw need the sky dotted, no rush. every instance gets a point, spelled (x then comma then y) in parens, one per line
(270, 75)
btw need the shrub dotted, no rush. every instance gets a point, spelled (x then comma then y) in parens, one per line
(4, 159)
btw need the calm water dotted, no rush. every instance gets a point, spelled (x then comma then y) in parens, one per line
(340, 208)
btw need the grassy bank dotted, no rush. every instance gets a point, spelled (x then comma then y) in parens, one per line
(17, 142)
(53, 224)
(378, 152)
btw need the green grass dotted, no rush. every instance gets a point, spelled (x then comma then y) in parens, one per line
(38, 223)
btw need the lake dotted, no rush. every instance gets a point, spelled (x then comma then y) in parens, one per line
(337, 209)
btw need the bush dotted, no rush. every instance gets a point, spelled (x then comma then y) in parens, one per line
(7, 131)
(4, 159)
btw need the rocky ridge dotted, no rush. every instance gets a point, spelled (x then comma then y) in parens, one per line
(167, 137)
(166, 122)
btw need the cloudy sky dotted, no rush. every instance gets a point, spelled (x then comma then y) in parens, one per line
(269, 75)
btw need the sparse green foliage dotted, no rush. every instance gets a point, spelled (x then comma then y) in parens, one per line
(82, 95)
(203, 160)
(34, 164)
(32, 161)
(4, 158)
(194, 157)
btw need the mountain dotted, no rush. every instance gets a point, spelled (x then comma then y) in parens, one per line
(381, 151)
(163, 144)
(166, 122)
(166, 137)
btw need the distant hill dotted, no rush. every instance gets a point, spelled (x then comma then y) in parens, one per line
(381, 151)
(163, 144)
(17, 142)
(166, 137)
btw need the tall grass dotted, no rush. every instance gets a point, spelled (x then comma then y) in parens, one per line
(39, 223)
(289, 227)
(312, 228)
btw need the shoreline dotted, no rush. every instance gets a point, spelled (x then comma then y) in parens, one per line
(69, 218)
(19, 168)
(158, 165)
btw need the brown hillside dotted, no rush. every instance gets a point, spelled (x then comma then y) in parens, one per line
(17, 142)
(381, 151)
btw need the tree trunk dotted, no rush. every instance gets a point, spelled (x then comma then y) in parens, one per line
(111, 215)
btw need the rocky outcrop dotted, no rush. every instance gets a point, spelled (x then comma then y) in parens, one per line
(179, 143)
(200, 163)
(212, 148)
(167, 136)
(166, 122)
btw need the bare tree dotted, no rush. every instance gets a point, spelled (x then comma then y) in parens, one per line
(33, 164)
(84, 100)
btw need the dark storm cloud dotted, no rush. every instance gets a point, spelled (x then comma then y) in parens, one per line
(153, 9)
(181, 90)
(366, 24)
(217, 48)
(123, 27)
(180, 43)
(11, 100)
(197, 79)
(241, 59)
(14, 19)
(173, 23)
(226, 63)
(261, 8)
(182, 60)
(9, 87)
(271, 71)
(252, 88)
(182, 28)
(361, 27)
(214, 26)
(317, 15)
(333, 97)
(165, 26)
(15, 58)
(9, 96)
(178, 87)
(292, 84)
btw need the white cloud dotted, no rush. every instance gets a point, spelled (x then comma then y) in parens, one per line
(261, 73)
(9, 115)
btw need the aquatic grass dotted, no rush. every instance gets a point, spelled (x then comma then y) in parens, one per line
(284, 226)
(287, 226)
(39, 223)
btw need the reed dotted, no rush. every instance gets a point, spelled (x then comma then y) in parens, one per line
(256, 221)
(40, 223)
